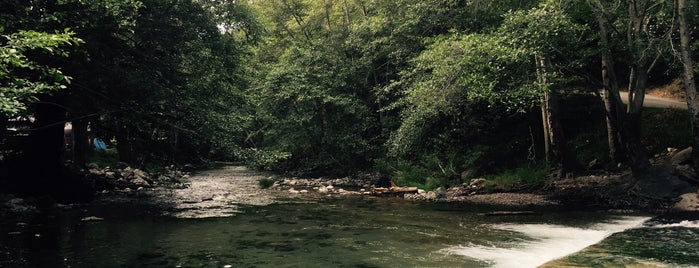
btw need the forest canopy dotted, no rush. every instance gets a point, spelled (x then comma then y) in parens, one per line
(432, 93)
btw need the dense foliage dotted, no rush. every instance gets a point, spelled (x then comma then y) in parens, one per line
(431, 92)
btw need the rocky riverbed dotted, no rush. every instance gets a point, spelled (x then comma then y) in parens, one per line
(221, 192)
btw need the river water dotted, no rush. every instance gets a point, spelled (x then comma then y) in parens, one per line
(223, 227)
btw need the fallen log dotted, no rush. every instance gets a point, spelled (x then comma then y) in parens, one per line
(393, 191)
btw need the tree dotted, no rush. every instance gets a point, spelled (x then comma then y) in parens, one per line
(514, 66)
(22, 76)
(548, 35)
(647, 28)
(689, 81)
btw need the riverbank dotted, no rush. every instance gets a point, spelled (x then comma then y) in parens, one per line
(663, 188)
(219, 192)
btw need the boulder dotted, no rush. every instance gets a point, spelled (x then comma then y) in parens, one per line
(476, 183)
(688, 202)
(661, 182)
(127, 173)
(681, 157)
(141, 174)
(140, 182)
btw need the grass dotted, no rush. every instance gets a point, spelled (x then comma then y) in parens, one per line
(525, 174)
(265, 183)
(104, 158)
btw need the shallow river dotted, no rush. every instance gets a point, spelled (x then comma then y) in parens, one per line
(338, 232)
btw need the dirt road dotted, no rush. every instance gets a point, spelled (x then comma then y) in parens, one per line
(658, 102)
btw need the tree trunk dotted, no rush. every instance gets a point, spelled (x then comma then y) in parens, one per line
(46, 148)
(554, 141)
(638, 78)
(614, 107)
(612, 114)
(125, 145)
(628, 122)
(689, 82)
(80, 142)
(3, 132)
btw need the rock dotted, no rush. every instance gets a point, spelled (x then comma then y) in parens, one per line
(92, 166)
(92, 218)
(110, 175)
(141, 174)
(140, 182)
(127, 173)
(431, 195)
(476, 183)
(688, 202)
(293, 191)
(19, 206)
(681, 157)
(660, 182)
(95, 172)
(421, 191)
(121, 165)
(303, 191)
(188, 167)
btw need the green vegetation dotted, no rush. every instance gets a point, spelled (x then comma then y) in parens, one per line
(431, 93)
(104, 158)
(665, 128)
(528, 175)
(265, 183)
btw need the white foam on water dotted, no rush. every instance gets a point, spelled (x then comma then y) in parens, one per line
(686, 224)
(548, 242)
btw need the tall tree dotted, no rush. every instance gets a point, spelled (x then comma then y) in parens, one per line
(688, 77)
(548, 35)
(647, 30)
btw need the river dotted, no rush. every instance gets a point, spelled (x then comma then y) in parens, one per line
(224, 220)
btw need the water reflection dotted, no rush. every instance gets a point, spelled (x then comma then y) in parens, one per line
(333, 232)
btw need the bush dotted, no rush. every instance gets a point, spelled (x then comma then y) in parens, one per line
(663, 128)
(433, 170)
(259, 159)
(265, 183)
(104, 158)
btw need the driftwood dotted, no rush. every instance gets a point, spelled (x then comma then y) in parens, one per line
(511, 213)
(394, 191)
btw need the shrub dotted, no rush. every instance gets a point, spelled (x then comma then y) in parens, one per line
(265, 183)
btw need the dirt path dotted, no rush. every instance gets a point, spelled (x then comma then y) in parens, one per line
(658, 102)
